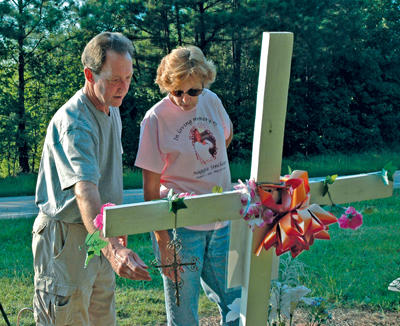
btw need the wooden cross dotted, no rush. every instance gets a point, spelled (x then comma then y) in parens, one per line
(253, 273)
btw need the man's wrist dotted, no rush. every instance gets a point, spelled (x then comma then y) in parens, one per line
(113, 244)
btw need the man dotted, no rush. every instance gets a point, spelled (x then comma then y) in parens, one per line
(80, 170)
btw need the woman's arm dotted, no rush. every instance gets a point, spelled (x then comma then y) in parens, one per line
(229, 139)
(151, 191)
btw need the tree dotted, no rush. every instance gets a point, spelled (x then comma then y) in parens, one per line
(27, 32)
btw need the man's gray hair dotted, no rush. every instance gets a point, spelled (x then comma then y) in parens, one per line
(94, 54)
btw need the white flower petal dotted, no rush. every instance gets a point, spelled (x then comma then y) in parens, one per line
(235, 305)
(235, 310)
(232, 316)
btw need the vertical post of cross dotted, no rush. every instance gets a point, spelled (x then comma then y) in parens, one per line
(256, 271)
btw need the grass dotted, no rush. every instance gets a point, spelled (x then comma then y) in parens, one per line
(320, 165)
(323, 165)
(21, 185)
(356, 267)
(353, 269)
(138, 303)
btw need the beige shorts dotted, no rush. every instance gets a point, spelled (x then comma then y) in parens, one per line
(65, 292)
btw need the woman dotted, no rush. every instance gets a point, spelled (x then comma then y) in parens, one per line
(183, 143)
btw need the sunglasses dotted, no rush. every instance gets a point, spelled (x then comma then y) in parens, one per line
(190, 92)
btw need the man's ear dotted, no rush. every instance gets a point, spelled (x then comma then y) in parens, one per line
(89, 76)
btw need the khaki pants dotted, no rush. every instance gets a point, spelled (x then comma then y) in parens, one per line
(65, 292)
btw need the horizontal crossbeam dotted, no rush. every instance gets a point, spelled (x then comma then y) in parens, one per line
(203, 209)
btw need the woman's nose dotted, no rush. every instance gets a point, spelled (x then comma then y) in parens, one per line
(186, 98)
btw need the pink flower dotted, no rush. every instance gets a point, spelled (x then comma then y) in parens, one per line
(240, 185)
(254, 209)
(243, 199)
(98, 221)
(356, 221)
(268, 216)
(185, 194)
(350, 210)
(350, 219)
(253, 187)
(343, 222)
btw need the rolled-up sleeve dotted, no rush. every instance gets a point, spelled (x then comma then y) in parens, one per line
(149, 155)
(75, 157)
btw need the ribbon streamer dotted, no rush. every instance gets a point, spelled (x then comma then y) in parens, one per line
(297, 223)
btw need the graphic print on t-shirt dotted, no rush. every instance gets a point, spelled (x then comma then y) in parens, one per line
(204, 144)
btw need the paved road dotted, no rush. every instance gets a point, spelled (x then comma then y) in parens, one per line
(24, 206)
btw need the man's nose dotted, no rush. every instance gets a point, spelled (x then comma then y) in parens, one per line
(127, 83)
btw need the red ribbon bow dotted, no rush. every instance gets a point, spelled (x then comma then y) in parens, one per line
(297, 223)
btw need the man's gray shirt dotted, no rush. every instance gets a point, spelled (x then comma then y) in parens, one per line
(82, 144)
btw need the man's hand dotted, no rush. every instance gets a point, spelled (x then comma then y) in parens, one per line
(125, 262)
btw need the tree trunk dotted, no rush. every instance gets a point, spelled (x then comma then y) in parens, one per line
(166, 32)
(202, 28)
(236, 58)
(22, 145)
(178, 24)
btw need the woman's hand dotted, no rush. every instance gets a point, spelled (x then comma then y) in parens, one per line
(167, 258)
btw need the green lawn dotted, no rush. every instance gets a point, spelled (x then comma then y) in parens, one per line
(138, 303)
(354, 268)
(320, 165)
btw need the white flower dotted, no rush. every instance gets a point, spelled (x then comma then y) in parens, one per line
(234, 312)
(285, 299)
(255, 222)
(395, 285)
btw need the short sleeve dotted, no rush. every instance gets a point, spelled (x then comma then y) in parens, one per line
(226, 121)
(149, 156)
(75, 158)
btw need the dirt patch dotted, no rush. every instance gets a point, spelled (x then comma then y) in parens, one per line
(340, 317)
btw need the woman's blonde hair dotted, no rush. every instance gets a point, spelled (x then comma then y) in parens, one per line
(182, 63)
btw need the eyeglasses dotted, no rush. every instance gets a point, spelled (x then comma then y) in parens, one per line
(190, 92)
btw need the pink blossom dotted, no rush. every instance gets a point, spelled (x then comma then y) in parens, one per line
(252, 184)
(244, 199)
(350, 210)
(240, 185)
(350, 219)
(98, 221)
(253, 187)
(268, 216)
(356, 221)
(185, 194)
(254, 210)
(343, 222)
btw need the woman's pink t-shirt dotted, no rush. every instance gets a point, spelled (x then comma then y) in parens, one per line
(187, 147)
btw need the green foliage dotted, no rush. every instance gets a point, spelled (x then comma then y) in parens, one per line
(174, 202)
(22, 185)
(344, 89)
(93, 243)
(329, 179)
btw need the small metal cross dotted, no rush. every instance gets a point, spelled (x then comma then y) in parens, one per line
(175, 246)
